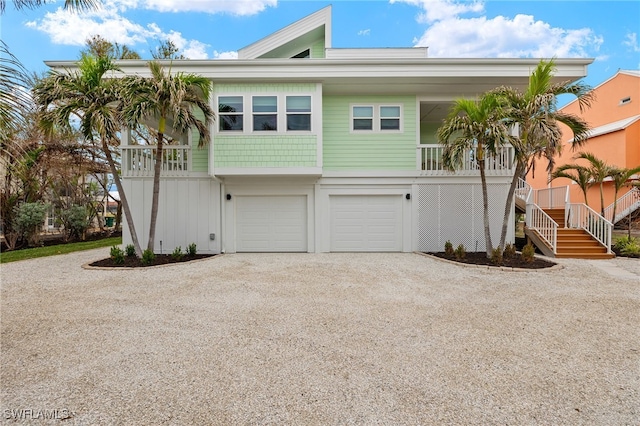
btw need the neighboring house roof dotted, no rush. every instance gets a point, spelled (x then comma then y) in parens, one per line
(611, 127)
(633, 73)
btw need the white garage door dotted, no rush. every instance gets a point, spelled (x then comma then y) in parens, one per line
(366, 222)
(271, 223)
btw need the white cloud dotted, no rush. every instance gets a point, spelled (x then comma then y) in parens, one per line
(225, 55)
(631, 41)
(234, 7)
(191, 49)
(450, 35)
(364, 32)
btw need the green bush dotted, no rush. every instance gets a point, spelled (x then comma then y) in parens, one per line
(117, 255)
(448, 249)
(509, 251)
(191, 249)
(528, 253)
(130, 250)
(630, 247)
(496, 256)
(177, 253)
(148, 256)
(29, 220)
(460, 252)
(75, 221)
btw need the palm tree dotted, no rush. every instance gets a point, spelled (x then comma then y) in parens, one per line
(164, 97)
(474, 124)
(578, 174)
(534, 115)
(14, 93)
(620, 177)
(68, 4)
(599, 171)
(91, 97)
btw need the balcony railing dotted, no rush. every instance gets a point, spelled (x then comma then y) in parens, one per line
(138, 161)
(430, 162)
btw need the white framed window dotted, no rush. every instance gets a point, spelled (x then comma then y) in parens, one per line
(231, 113)
(298, 113)
(376, 118)
(265, 113)
(389, 118)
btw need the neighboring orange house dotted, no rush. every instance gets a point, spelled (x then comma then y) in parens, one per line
(614, 118)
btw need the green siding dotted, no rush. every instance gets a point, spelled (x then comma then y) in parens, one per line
(265, 151)
(199, 156)
(317, 49)
(344, 150)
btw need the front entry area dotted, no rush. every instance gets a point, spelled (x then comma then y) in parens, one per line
(271, 223)
(364, 223)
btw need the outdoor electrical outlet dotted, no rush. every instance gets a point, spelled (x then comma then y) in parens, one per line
(212, 237)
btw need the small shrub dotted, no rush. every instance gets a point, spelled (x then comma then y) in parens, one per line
(528, 253)
(117, 255)
(177, 253)
(75, 221)
(496, 256)
(148, 257)
(191, 249)
(130, 250)
(460, 252)
(509, 251)
(29, 218)
(448, 249)
(631, 249)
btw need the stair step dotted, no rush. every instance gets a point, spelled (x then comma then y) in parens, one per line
(579, 249)
(585, 256)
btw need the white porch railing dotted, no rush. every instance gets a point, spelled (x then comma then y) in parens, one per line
(523, 189)
(430, 162)
(542, 223)
(584, 217)
(551, 198)
(625, 205)
(139, 160)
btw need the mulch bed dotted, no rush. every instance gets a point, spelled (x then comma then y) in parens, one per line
(480, 258)
(160, 259)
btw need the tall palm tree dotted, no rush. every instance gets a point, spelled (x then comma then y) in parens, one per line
(620, 176)
(599, 171)
(534, 115)
(474, 124)
(578, 174)
(14, 93)
(162, 97)
(68, 4)
(91, 97)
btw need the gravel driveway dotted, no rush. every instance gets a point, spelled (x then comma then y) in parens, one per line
(319, 339)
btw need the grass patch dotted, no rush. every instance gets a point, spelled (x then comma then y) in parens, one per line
(32, 253)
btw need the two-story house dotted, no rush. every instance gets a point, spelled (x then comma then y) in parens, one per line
(318, 149)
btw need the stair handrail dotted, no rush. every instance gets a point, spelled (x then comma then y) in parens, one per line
(539, 221)
(581, 216)
(624, 203)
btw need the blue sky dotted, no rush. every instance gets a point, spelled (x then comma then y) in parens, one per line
(608, 31)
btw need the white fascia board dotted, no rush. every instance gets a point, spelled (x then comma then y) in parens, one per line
(611, 127)
(289, 33)
(269, 171)
(322, 69)
(377, 53)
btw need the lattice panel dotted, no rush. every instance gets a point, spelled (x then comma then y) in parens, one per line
(454, 212)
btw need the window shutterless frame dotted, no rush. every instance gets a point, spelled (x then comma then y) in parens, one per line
(231, 113)
(376, 118)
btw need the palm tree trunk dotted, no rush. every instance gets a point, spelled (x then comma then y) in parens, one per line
(123, 199)
(601, 199)
(485, 208)
(156, 193)
(509, 202)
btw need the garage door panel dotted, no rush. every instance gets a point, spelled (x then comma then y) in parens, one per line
(365, 223)
(271, 223)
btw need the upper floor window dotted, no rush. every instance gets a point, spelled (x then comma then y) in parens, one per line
(230, 113)
(298, 113)
(265, 113)
(377, 118)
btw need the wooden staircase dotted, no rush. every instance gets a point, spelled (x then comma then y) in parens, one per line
(576, 243)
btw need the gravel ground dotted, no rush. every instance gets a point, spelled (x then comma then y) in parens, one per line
(319, 339)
